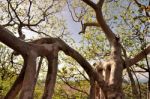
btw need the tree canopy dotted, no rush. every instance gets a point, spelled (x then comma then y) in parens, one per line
(113, 41)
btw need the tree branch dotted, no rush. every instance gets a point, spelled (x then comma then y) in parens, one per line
(100, 3)
(22, 47)
(12, 93)
(73, 87)
(75, 55)
(139, 56)
(108, 32)
(90, 3)
(143, 7)
(13, 42)
(137, 3)
(85, 25)
(133, 84)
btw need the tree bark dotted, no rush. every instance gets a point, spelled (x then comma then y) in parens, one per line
(13, 42)
(51, 75)
(92, 89)
(30, 77)
(43, 47)
(12, 93)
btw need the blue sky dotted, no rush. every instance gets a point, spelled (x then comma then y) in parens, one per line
(73, 27)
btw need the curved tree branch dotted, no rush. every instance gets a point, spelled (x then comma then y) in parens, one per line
(85, 25)
(75, 55)
(12, 93)
(22, 47)
(139, 56)
(90, 3)
(101, 21)
(13, 42)
(135, 92)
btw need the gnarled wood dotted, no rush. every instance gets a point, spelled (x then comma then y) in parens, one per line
(43, 47)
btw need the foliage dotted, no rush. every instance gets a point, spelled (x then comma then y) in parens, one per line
(128, 93)
(124, 17)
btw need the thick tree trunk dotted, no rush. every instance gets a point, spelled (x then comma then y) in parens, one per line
(103, 70)
(112, 88)
(115, 81)
(116, 66)
(30, 77)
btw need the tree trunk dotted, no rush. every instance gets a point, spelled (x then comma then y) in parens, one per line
(51, 75)
(92, 89)
(29, 78)
(13, 92)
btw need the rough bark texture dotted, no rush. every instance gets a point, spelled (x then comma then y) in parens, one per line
(29, 77)
(107, 82)
(92, 89)
(116, 63)
(51, 74)
(46, 44)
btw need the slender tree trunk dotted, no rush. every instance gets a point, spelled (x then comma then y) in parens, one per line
(92, 89)
(39, 67)
(13, 92)
(51, 75)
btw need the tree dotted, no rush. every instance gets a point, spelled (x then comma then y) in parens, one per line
(107, 85)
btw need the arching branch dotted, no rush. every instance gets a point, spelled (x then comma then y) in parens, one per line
(13, 42)
(75, 55)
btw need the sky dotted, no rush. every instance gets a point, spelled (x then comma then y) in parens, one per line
(73, 27)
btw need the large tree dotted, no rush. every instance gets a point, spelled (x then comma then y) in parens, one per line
(106, 79)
